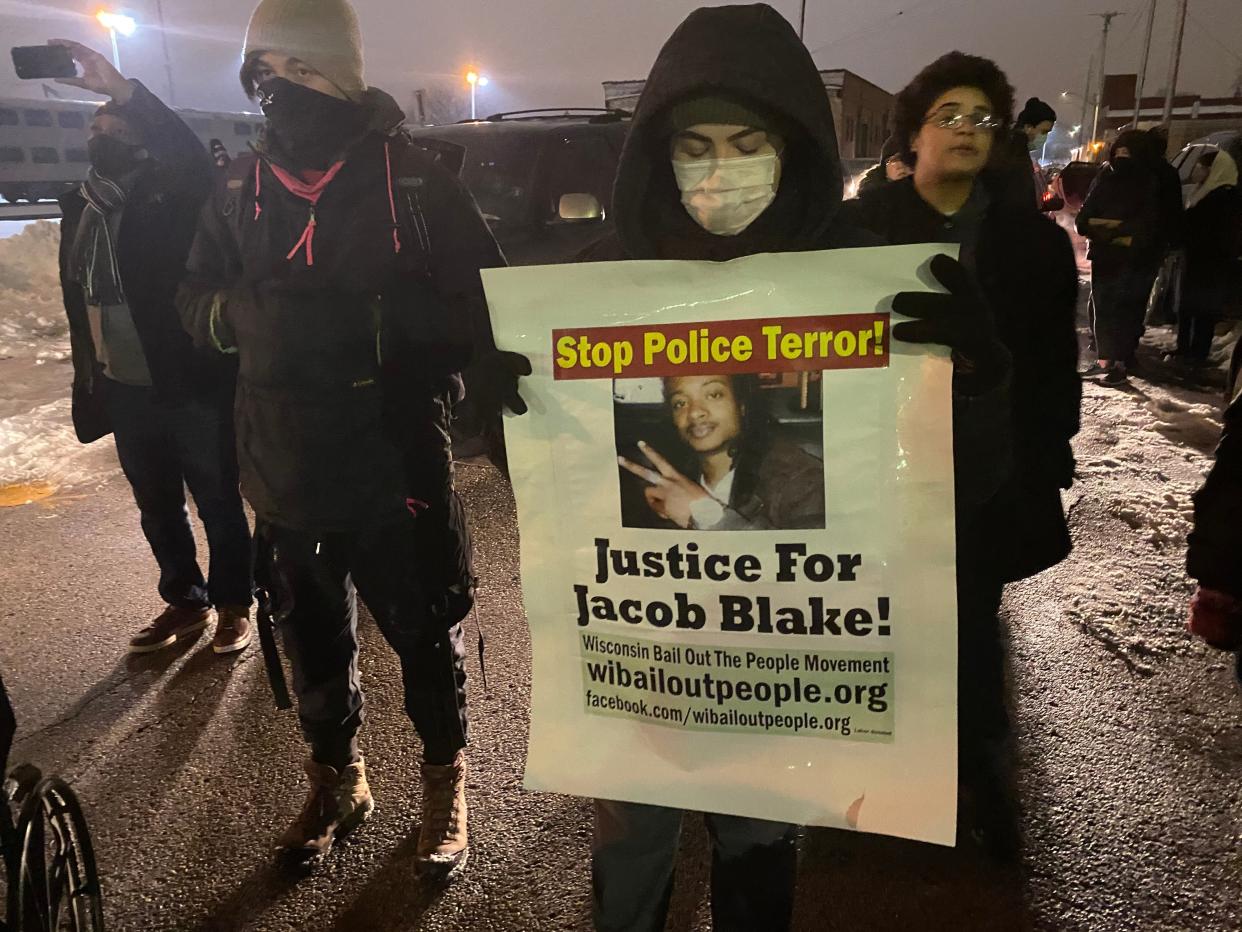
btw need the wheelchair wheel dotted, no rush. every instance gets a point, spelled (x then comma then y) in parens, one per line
(57, 883)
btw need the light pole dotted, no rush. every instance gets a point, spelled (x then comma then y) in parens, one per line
(172, 92)
(475, 80)
(114, 23)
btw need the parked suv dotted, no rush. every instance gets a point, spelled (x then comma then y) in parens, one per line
(542, 178)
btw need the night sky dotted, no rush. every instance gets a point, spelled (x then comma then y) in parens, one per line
(556, 52)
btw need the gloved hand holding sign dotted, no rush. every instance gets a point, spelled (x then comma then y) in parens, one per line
(493, 381)
(960, 320)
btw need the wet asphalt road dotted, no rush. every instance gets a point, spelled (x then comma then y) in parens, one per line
(1129, 742)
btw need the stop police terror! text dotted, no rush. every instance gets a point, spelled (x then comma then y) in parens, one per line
(699, 346)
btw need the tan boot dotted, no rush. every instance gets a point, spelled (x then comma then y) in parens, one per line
(443, 841)
(337, 804)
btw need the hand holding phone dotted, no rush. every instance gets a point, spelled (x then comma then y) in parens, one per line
(98, 75)
(32, 62)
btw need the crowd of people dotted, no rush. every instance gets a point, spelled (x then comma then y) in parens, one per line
(295, 326)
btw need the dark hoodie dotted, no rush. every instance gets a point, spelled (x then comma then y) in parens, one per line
(347, 362)
(771, 71)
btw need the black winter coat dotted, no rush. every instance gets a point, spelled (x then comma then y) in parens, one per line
(348, 367)
(157, 228)
(1214, 556)
(1026, 268)
(1128, 191)
(1213, 243)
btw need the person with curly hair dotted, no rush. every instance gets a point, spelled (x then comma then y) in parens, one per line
(948, 120)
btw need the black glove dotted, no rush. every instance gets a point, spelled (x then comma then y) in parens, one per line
(493, 382)
(960, 320)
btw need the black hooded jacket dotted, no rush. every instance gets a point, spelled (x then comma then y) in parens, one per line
(753, 54)
(1214, 554)
(347, 365)
(770, 70)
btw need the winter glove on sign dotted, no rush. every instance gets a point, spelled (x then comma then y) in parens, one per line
(495, 381)
(960, 320)
(1217, 618)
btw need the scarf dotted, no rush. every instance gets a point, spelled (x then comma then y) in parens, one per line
(93, 260)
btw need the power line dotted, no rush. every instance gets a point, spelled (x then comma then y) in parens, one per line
(884, 23)
(1211, 35)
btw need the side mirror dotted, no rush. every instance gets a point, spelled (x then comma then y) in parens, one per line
(579, 208)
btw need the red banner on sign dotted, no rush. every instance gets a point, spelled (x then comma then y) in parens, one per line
(790, 344)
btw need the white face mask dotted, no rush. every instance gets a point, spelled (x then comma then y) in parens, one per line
(725, 196)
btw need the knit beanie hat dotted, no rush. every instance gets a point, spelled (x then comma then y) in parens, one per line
(716, 109)
(322, 33)
(1035, 112)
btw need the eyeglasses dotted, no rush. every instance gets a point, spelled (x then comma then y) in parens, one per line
(976, 119)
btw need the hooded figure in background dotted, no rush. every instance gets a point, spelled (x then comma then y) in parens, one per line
(733, 152)
(1213, 244)
(1121, 218)
(341, 266)
(892, 167)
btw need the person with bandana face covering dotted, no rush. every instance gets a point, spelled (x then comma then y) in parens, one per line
(124, 240)
(340, 265)
(1015, 177)
(732, 152)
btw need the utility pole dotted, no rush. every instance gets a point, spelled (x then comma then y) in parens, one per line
(1175, 62)
(1142, 75)
(1086, 102)
(802, 23)
(172, 91)
(1099, 100)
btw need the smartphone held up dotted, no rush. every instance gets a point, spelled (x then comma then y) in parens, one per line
(32, 62)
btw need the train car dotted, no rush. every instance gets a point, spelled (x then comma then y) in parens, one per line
(43, 143)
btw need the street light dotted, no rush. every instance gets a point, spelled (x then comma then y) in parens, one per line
(114, 23)
(475, 80)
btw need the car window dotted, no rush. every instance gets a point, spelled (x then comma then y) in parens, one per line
(578, 165)
(497, 170)
(77, 155)
(70, 119)
(12, 154)
(38, 117)
(44, 155)
(8, 117)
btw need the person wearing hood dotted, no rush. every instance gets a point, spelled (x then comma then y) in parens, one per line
(1121, 218)
(946, 121)
(125, 235)
(892, 167)
(1213, 244)
(732, 152)
(340, 265)
(1015, 177)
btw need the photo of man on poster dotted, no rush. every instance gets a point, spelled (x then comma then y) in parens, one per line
(722, 460)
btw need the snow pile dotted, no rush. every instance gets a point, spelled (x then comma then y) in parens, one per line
(40, 447)
(32, 315)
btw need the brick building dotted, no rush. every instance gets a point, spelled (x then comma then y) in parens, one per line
(861, 111)
(1194, 116)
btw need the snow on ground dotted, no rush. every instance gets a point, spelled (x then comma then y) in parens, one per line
(32, 317)
(1143, 453)
(39, 454)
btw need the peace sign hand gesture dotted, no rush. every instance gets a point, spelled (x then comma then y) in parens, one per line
(670, 494)
(98, 75)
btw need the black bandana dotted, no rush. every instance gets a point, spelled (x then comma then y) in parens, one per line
(311, 128)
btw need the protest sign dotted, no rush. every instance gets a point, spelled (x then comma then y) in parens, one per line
(735, 498)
